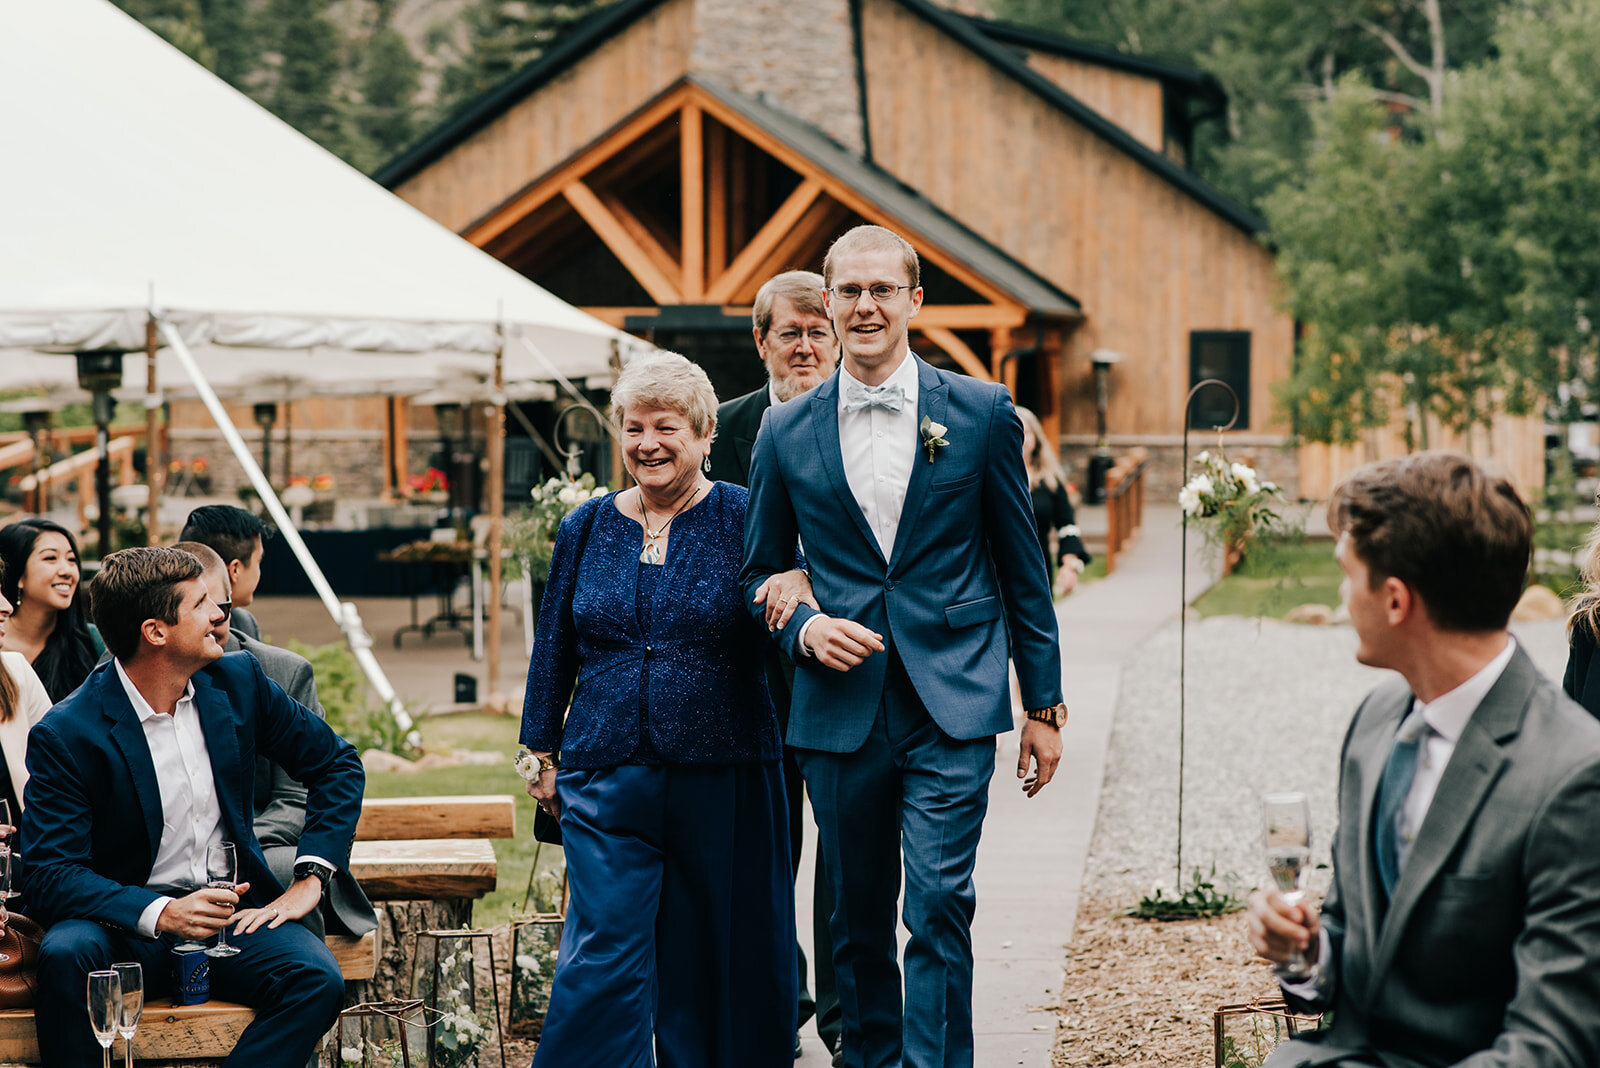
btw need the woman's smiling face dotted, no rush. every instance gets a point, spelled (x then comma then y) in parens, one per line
(661, 451)
(51, 574)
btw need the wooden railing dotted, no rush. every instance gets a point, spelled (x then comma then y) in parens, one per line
(81, 466)
(1124, 502)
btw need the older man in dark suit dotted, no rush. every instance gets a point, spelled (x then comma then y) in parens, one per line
(1463, 923)
(795, 340)
(135, 776)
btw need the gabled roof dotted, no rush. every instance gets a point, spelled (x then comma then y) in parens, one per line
(898, 200)
(1197, 83)
(591, 32)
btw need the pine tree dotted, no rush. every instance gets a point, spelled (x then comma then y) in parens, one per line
(236, 49)
(389, 82)
(502, 37)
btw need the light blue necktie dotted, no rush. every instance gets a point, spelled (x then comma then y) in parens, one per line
(890, 398)
(1392, 794)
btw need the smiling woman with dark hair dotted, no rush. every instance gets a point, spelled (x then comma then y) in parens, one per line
(48, 624)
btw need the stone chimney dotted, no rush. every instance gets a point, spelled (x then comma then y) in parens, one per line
(794, 55)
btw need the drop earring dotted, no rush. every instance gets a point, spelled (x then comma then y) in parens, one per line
(706, 463)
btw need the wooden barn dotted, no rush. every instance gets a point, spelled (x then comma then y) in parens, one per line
(667, 156)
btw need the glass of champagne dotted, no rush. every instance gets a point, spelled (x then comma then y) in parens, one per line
(222, 873)
(5, 893)
(131, 978)
(1286, 834)
(6, 826)
(105, 1009)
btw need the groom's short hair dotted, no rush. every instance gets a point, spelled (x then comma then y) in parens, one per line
(870, 238)
(1458, 536)
(134, 585)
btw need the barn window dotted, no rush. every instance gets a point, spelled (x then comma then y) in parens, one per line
(1223, 355)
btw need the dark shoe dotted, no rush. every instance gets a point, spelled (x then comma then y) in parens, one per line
(838, 1059)
(799, 1050)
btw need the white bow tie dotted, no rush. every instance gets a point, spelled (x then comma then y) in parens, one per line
(857, 397)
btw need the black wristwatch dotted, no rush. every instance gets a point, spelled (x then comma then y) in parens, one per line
(307, 868)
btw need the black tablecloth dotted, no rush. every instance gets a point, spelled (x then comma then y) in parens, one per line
(349, 559)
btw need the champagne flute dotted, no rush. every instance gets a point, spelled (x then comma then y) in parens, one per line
(1286, 834)
(222, 873)
(105, 1009)
(5, 893)
(131, 977)
(5, 820)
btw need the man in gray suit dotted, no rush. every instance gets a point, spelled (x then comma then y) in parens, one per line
(1463, 922)
(280, 801)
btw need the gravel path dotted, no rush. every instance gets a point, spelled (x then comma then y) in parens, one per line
(1268, 705)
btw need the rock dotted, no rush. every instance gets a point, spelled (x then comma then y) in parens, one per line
(1538, 602)
(378, 760)
(1317, 615)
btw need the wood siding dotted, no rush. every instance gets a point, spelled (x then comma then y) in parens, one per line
(557, 120)
(1132, 101)
(1149, 263)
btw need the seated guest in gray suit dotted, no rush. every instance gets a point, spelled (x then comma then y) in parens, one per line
(238, 536)
(280, 801)
(1463, 923)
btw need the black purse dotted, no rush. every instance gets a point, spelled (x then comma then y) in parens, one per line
(546, 828)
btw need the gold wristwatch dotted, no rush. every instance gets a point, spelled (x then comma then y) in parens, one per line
(1055, 715)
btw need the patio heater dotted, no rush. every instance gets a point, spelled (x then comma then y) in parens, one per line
(37, 424)
(1100, 461)
(448, 415)
(265, 414)
(99, 372)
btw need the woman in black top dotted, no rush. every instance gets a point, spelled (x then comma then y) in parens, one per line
(1052, 507)
(1582, 680)
(48, 623)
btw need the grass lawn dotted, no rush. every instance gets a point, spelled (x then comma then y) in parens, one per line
(1274, 579)
(514, 855)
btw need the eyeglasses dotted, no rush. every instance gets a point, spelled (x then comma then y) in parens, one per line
(880, 291)
(227, 609)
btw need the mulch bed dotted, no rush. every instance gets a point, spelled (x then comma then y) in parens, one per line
(1141, 993)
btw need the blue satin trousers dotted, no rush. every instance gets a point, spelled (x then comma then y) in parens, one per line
(678, 948)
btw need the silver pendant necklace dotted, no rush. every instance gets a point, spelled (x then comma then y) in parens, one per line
(651, 553)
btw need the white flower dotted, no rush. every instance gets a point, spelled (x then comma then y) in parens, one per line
(1246, 477)
(1203, 458)
(1270, 487)
(1202, 485)
(568, 496)
(1189, 500)
(527, 962)
(350, 1054)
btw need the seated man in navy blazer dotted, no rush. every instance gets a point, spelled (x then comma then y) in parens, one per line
(131, 778)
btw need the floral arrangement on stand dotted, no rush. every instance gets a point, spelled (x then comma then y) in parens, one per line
(530, 533)
(430, 485)
(1232, 504)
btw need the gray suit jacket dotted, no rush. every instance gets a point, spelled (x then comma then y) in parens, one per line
(280, 801)
(1489, 953)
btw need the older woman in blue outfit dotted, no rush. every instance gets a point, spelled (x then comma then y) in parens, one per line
(679, 941)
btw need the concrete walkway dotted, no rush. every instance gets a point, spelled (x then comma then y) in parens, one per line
(1031, 861)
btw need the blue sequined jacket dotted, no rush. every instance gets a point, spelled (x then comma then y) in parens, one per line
(707, 700)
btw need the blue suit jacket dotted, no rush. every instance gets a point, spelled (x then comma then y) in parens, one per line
(92, 817)
(964, 574)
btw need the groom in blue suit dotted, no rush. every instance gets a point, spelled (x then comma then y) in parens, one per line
(132, 777)
(906, 487)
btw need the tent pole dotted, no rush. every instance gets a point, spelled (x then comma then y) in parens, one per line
(345, 615)
(154, 462)
(497, 507)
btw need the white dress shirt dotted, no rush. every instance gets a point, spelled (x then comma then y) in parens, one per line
(1438, 725)
(191, 817)
(879, 449)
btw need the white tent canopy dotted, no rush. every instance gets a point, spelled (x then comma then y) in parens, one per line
(137, 184)
(135, 178)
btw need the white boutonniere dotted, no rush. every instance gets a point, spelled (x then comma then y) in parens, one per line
(526, 765)
(933, 437)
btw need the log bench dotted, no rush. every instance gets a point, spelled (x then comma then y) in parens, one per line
(407, 851)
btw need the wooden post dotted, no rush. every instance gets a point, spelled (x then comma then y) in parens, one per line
(496, 412)
(154, 461)
(692, 171)
(288, 440)
(1113, 533)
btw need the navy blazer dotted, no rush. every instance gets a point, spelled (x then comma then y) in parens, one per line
(92, 820)
(706, 700)
(965, 571)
